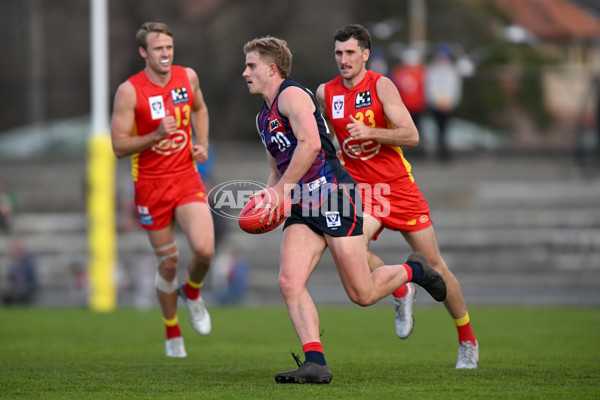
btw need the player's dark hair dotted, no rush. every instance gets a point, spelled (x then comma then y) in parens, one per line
(148, 28)
(356, 31)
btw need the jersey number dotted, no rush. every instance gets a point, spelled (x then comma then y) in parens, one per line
(281, 141)
(368, 115)
(182, 115)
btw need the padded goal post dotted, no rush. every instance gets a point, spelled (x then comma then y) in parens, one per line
(101, 224)
(101, 171)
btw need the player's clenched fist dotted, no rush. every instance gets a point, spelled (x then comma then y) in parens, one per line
(199, 154)
(167, 126)
(357, 129)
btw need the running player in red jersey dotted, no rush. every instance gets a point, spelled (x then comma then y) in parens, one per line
(366, 113)
(154, 112)
(303, 165)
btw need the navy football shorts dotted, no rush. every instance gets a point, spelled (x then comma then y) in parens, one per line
(338, 215)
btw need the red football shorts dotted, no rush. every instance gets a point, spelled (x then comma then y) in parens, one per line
(156, 199)
(399, 208)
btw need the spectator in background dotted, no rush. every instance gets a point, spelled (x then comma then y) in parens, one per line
(597, 89)
(377, 62)
(8, 207)
(22, 280)
(443, 89)
(206, 171)
(230, 276)
(409, 78)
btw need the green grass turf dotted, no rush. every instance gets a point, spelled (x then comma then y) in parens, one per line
(526, 353)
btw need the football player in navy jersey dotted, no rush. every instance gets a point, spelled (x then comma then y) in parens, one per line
(305, 169)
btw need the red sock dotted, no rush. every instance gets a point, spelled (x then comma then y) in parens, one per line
(409, 272)
(465, 333)
(192, 290)
(313, 346)
(401, 292)
(173, 331)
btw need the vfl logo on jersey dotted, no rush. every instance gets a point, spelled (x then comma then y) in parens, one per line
(157, 107)
(363, 99)
(179, 95)
(337, 107)
(171, 144)
(333, 219)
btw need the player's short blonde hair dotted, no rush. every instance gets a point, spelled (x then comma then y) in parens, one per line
(151, 27)
(272, 50)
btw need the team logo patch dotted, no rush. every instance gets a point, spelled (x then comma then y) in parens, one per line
(363, 99)
(274, 124)
(144, 214)
(179, 95)
(146, 220)
(337, 107)
(316, 183)
(157, 107)
(172, 144)
(333, 219)
(362, 150)
(142, 210)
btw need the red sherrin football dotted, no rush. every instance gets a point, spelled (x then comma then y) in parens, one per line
(250, 223)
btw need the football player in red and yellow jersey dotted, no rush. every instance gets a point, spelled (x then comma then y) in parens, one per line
(365, 112)
(154, 113)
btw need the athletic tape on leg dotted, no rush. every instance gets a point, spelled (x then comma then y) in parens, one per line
(164, 285)
(160, 259)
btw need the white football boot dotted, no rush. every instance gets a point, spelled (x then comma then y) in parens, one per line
(404, 312)
(175, 348)
(468, 355)
(199, 316)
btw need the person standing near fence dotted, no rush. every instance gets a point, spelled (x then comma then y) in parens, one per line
(443, 88)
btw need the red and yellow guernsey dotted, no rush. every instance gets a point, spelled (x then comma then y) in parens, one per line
(368, 161)
(172, 155)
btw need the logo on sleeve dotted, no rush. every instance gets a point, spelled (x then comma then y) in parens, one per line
(337, 105)
(157, 107)
(363, 99)
(179, 95)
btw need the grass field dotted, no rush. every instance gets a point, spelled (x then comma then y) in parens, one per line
(526, 353)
